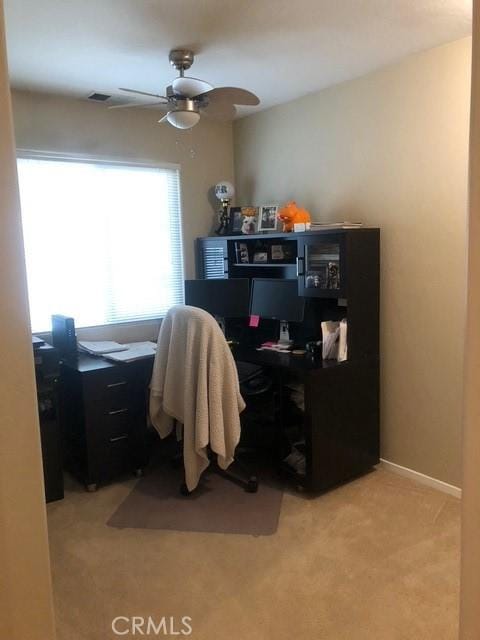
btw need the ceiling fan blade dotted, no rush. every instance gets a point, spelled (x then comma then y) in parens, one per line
(129, 105)
(234, 95)
(220, 111)
(190, 87)
(142, 93)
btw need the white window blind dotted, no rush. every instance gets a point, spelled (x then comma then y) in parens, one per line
(102, 241)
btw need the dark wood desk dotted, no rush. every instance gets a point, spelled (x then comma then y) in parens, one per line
(47, 371)
(105, 430)
(341, 416)
(103, 415)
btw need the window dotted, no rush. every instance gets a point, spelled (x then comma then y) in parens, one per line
(102, 241)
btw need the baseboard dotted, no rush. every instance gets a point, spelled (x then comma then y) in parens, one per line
(433, 483)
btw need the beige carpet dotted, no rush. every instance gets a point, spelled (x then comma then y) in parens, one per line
(376, 559)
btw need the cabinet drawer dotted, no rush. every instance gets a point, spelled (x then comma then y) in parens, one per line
(117, 458)
(117, 394)
(118, 423)
(108, 391)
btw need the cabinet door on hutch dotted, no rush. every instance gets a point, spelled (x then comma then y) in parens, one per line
(212, 258)
(321, 266)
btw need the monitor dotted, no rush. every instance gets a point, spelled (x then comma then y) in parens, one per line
(224, 298)
(277, 299)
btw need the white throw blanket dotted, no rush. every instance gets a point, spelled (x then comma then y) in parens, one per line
(195, 382)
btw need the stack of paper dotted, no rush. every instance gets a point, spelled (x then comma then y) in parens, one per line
(275, 346)
(133, 351)
(100, 348)
(316, 226)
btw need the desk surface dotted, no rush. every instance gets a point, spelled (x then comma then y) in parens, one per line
(85, 363)
(282, 360)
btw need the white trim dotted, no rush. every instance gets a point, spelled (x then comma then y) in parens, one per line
(35, 154)
(421, 478)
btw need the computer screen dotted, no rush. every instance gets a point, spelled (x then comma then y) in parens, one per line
(229, 298)
(277, 299)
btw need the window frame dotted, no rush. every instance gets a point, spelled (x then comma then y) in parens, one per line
(34, 154)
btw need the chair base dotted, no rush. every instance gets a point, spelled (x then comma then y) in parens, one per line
(250, 485)
(249, 481)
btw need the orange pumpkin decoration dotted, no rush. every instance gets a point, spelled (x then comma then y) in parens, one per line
(290, 214)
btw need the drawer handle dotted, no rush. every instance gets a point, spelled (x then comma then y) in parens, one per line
(113, 413)
(300, 269)
(124, 437)
(116, 384)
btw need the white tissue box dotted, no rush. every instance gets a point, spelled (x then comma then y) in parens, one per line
(301, 226)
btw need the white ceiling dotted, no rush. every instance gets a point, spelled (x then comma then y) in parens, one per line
(279, 49)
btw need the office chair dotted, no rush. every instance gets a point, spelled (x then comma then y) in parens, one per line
(195, 383)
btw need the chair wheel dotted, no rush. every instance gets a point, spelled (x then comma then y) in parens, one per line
(184, 489)
(252, 485)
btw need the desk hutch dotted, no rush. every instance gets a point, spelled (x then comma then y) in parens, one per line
(341, 409)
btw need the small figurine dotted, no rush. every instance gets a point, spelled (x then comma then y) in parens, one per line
(290, 214)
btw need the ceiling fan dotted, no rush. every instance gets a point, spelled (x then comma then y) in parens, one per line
(188, 98)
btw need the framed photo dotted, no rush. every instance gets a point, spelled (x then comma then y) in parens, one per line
(241, 253)
(260, 256)
(249, 219)
(278, 252)
(235, 221)
(267, 218)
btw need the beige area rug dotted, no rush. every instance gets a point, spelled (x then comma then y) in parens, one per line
(216, 506)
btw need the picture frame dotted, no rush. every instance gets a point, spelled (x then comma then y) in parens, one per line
(267, 218)
(277, 252)
(260, 257)
(241, 253)
(235, 221)
(250, 220)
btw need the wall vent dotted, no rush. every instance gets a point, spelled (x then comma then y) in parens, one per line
(99, 97)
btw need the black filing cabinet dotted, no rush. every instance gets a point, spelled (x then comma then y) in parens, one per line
(47, 370)
(104, 406)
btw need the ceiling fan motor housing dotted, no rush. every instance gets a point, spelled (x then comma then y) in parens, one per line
(181, 59)
(186, 104)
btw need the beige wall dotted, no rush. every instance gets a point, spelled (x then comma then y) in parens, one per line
(51, 123)
(25, 595)
(390, 149)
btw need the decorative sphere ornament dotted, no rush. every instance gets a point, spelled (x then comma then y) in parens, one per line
(224, 190)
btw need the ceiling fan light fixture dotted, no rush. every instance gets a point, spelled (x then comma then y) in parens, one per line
(183, 119)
